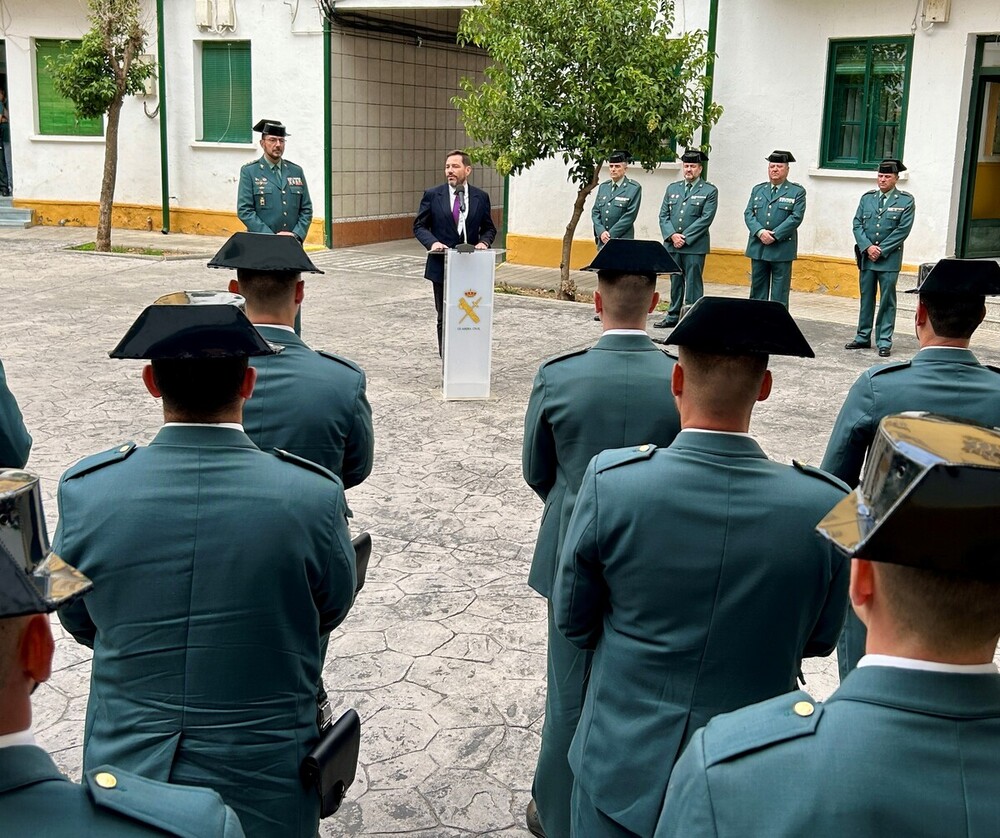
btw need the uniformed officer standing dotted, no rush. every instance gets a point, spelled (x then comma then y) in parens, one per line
(773, 215)
(313, 404)
(881, 224)
(216, 569)
(616, 204)
(718, 614)
(943, 377)
(35, 797)
(687, 211)
(908, 744)
(613, 394)
(15, 441)
(273, 195)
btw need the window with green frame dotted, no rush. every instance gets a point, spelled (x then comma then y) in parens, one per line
(226, 104)
(867, 87)
(55, 112)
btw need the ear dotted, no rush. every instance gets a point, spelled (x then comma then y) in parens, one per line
(765, 386)
(300, 291)
(656, 301)
(150, 381)
(677, 380)
(862, 585)
(920, 317)
(249, 380)
(36, 648)
(234, 286)
(598, 302)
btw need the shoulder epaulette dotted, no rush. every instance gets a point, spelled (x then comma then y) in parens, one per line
(872, 192)
(883, 368)
(788, 716)
(338, 358)
(805, 468)
(96, 461)
(614, 457)
(565, 355)
(666, 351)
(251, 162)
(288, 457)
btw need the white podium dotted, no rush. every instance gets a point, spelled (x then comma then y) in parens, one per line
(468, 323)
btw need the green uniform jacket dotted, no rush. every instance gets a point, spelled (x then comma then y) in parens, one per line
(951, 382)
(264, 206)
(36, 800)
(892, 752)
(616, 213)
(696, 573)
(616, 393)
(887, 228)
(781, 214)
(691, 215)
(312, 404)
(216, 567)
(15, 441)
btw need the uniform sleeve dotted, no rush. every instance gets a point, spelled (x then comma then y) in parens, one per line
(232, 827)
(852, 434)
(15, 441)
(895, 239)
(422, 223)
(75, 617)
(698, 227)
(627, 220)
(860, 238)
(786, 228)
(359, 448)
(487, 229)
(538, 450)
(687, 808)
(580, 595)
(595, 216)
(335, 577)
(245, 207)
(667, 228)
(753, 225)
(301, 229)
(823, 638)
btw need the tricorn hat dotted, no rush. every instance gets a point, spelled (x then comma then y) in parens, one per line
(619, 157)
(930, 498)
(891, 166)
(969, 277)
(780, 156)
(731, 326)
(694, 155)
(193, 325)
(634, 256)
(270, 127)
(264, 253)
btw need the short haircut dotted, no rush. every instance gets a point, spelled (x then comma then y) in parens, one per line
(199, 389)
(722, 384)
(466, 160)
(267, 290)
(948, 613)
(11, 629)
(954, 315)
(626, 296)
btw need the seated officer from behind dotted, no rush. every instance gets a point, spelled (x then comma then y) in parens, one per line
(35, 798)
(613, 394)
(693, 571)
(312, 404)
(943, 377)
(15, 441)
(908, 744)
(216, 569)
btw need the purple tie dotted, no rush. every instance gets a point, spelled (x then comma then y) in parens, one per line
(456, 210)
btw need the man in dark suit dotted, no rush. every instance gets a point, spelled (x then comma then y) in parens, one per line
(450, 214)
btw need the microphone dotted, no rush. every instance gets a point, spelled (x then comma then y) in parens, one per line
(460, 191)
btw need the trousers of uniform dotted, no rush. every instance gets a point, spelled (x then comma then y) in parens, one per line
(851, 646)
(885, 323)
(687, 287)
(770, 280)
(591, 822)
(568, 673)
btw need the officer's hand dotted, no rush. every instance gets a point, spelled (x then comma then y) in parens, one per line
(482, 246)
(874, 252)
(677, 239)
(286, 233)
(605, 237)
(437, 247)
(766, 237)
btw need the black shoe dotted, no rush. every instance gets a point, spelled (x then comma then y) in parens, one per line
(531, 817)
(857, 344)
(597, 317)
(665, 323)
(884, 352)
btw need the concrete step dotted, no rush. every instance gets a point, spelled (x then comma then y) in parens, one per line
(11, 216)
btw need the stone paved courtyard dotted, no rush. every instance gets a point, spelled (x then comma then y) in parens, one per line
(443, 654)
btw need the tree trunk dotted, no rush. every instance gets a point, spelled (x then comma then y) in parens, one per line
(110, 175)
(567, 287)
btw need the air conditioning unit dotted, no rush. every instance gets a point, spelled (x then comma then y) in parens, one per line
(937, 11)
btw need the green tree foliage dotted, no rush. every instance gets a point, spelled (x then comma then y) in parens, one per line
(578, 79)
(97, 76)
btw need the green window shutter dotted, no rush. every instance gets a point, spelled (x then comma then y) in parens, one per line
(226, 102)
(55, 112)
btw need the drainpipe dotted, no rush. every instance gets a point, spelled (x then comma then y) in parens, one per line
(161, 81)
(713, 27)
(327, 137)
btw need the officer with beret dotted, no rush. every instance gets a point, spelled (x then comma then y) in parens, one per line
(687, 211)
(216, 568)
(881, 224)
(617, 203)
(943, 377)
(718, 614)
(35, 797)
(15, 441)
(311, 403)
(907, 745)
(273, 196)
(613, 394)
(773, 215)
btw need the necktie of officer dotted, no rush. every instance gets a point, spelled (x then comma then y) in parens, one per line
(881, 201)
(687, 190)
(456, 209)
(774, 191)
(281, 177)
